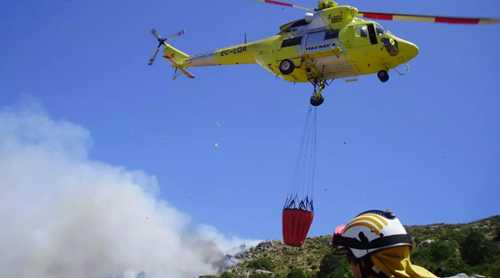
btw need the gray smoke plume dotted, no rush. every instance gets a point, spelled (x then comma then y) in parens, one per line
(64, 215)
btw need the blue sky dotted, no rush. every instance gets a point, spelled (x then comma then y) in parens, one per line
(424, 144)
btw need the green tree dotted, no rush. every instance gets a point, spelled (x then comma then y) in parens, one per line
(495, 271)
(497, 232)
(475, 248)
(261, 263)
(260, 275)
(455, 266)
(441, 251)
(226, 275)
(333, 266)
(343, 271)
(296, 273)
(422, 256)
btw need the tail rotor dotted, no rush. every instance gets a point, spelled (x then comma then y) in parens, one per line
(161, 41)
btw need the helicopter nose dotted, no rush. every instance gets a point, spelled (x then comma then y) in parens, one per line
(411, 50)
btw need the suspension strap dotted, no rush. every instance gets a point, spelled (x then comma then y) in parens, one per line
(302, 184)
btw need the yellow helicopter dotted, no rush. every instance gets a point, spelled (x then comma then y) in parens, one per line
(330, 42)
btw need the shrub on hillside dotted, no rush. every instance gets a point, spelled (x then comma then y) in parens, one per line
(261, 263)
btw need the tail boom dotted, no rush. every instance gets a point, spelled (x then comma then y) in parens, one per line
(233, 55)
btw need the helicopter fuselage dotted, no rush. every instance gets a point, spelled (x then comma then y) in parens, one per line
(328, 44)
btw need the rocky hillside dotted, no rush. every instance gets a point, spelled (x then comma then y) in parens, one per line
(446, 249)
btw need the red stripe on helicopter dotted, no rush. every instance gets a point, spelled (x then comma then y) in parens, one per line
(378, 16)
(278, 3)
(448, 20)
(456, 20)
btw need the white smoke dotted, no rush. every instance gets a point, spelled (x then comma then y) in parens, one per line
(63, 215)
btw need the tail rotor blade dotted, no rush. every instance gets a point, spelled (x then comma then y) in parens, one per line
(155, 33)
(153, 56)
(180, 33)
(162, 41)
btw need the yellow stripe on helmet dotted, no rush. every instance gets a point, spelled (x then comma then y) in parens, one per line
(375, 219)
(362, 224)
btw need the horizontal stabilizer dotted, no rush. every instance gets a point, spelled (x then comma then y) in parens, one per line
(178, 66)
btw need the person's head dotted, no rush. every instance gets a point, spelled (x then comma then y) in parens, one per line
(369, 233)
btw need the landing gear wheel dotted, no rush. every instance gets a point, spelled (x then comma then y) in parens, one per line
(317, 100)
(383, 76)
(287, 67)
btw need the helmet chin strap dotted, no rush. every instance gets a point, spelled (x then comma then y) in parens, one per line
(366, 269)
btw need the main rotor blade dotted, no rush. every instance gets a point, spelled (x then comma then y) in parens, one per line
(284, 4)
(427, 18)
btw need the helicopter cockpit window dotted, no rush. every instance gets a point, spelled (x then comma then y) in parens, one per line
(291, 42)
(380, 30)
(332, 34)
(294, 27)
(391, 46)
(361, 31)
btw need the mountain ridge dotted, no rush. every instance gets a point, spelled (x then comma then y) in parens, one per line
(447, 247)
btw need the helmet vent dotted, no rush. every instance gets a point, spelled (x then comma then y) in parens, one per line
(386, 214)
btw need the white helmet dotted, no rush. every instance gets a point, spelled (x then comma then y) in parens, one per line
(369, 232)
